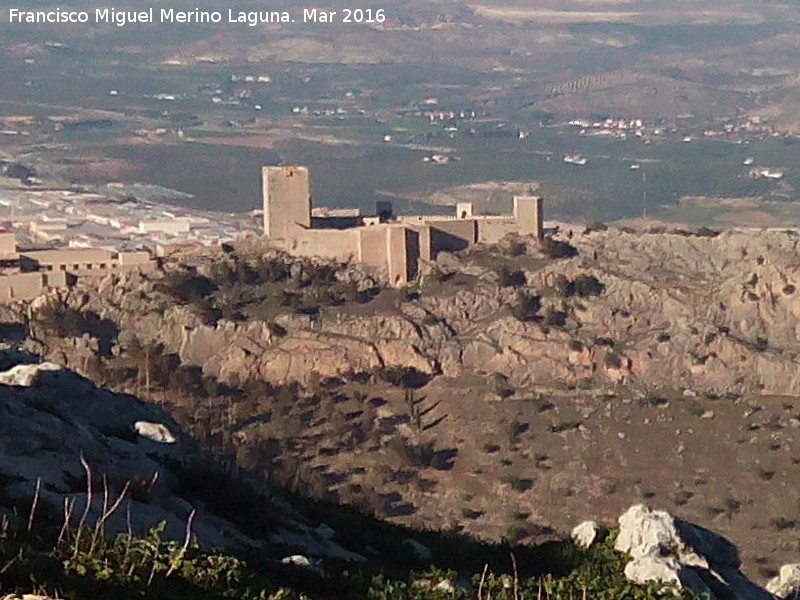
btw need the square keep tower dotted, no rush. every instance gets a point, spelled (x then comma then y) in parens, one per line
(287, 199)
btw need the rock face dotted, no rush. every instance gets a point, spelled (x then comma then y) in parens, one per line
(787, 583)
(708, 314)
(671, 551)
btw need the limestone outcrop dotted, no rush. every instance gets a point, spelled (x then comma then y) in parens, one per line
(671, 551)
(585, 534)
(787, 583)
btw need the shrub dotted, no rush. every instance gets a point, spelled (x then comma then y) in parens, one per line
(502, 388)
(781, 523)
(612, 360)
(526, 306)
(555, 318)
(426, 485)
(416, 455)
(517, 484)
(517, 248)
(509, 278)
(565, 426)
(403, 377)
(596, 226)
(186, 286)
(563, 286)
(515, 429)
(588, 285)
(706, 232)
(558, 249)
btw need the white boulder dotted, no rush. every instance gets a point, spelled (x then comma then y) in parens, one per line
(643, 531)
(787, 583)
(674, 552)
(585, 534)
(156, 432)
(303, 562)
(644, 569)
(28, 375)
(298, 560)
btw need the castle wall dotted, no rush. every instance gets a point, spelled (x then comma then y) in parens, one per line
(452, 235)
(492, 231)
(336, 222)
(134, 259)
(373, 247)
(287, 199)
(21, 286)
(464, 210)
(423, 240)
(83, 261)
(396, 242)
(327, 243)
(56, 279)
(413, 253)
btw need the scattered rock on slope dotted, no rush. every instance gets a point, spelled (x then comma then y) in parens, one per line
(61, 435)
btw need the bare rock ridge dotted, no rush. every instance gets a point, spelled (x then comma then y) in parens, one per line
(710, 313)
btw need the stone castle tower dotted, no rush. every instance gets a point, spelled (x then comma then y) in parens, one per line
(529, 214)
(287, 199)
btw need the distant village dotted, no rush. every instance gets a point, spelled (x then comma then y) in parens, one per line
(49, 237)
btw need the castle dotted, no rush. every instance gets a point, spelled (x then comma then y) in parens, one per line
(396, 245)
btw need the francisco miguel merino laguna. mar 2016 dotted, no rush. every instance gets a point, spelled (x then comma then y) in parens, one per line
(146, 16)
(196, 16)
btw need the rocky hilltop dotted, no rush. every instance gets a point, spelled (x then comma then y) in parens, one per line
(715, 313)
(510, 392)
